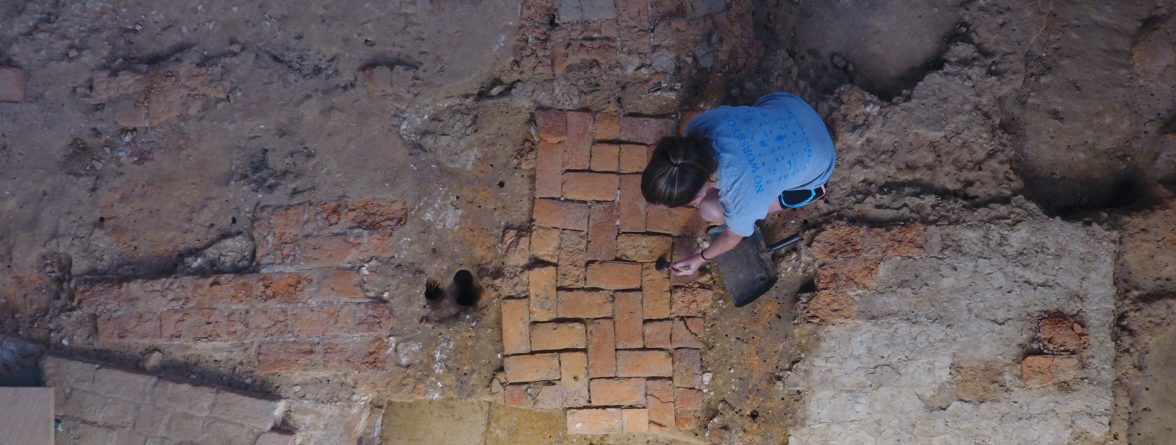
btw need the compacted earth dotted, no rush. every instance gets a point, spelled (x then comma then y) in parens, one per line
(219, 221)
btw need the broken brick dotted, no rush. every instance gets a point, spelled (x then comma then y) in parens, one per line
(12, 84)
(657, 334)
(553, 125)
(545, 244)
(686, 333)
(687, 369)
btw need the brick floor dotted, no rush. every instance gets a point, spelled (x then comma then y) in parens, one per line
(599, 333)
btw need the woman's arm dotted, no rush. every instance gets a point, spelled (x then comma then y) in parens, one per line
(689, 266)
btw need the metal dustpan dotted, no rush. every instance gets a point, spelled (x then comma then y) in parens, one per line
(747, 270)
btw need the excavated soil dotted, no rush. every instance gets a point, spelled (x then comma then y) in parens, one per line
(1032, 145)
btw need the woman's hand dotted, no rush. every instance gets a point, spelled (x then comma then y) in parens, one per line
(688, 266)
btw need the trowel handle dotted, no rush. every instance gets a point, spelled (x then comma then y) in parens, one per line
(784, 243)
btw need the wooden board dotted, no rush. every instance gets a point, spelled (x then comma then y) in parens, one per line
(26, 416)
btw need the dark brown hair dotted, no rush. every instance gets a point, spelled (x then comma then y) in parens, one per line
(678, 169)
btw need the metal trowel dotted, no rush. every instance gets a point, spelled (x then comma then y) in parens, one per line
(748, 271)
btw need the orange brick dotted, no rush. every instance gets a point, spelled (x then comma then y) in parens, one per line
(838, 241)
(554, 336)
(553, 125)
(605, 157)
(685, 420)
(561, 214)
(287, 356)
(628, 320)
(642, 248)
(594, 421)
(339, 285)
(315, 321)
(578, 145)
(645, 130)
(531, 368)
(687, 399)
(602, 353)
(585, 186)
(362, 354)
(687, 333)
(829, 306)
(608, 126)
(674, 221)
(613, 392)
(614, 275)
(545, 244)
(515, 395)
(660, 401)
(632, 158)
(691, 301)
(848, 273)
(657, 334)
(602, 232)
(893, 241)
(632, 204)
(636, 420)
(548, 170)
(574, 378)
(687, 368)
(573, 256)
(584, 304)
(515, 333)
(541, 286)
(644, 364)
(655, 292)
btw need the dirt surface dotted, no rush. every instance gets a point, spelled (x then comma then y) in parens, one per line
(1022, 144)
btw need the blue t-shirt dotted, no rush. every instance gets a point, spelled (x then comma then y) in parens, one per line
(778, 144)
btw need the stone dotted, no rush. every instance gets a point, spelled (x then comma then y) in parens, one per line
(635, 420)
(124, 385)
(1042, 370)
(12, 84)
(553, 125)
(686, 333)
(545, 244)
(977, 383)
(573, 257)
(618, 392)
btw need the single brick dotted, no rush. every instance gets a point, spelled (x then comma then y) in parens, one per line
(632, 158)
(632, 204)
(655, 292)
(586, 186)
(605, 157)
(660, 402)
(553, 125)
(674, 221)
(541, 286)
(645, 130)
(543, 395)
(531, 368)
(687, 399)
(545, 244)
(602, 232)
(275, 438)
(628, 320)
(614, 275)
(691, 301)
(642, 247)
(573, 372)
(561, 214)
(285, 356)
(124, 385)
(515, 245)
(608, 126)
(573, 256)
(594, 421)
(339, 285)
(657, 334)
(516, 318)
(687, 333)
(578, 145)
(584, 304)
(636, 420)
(515, 395)
(317, 321)
(644, 364)
(838, 240)
(602, 353)
(183, 397)
(829, 306)
(612, 392)
(848, 273)
(249, 411)
(128, 326)
(553, 336)
(548, 170)
(685, 420)
(687, 368)
(12, 84)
